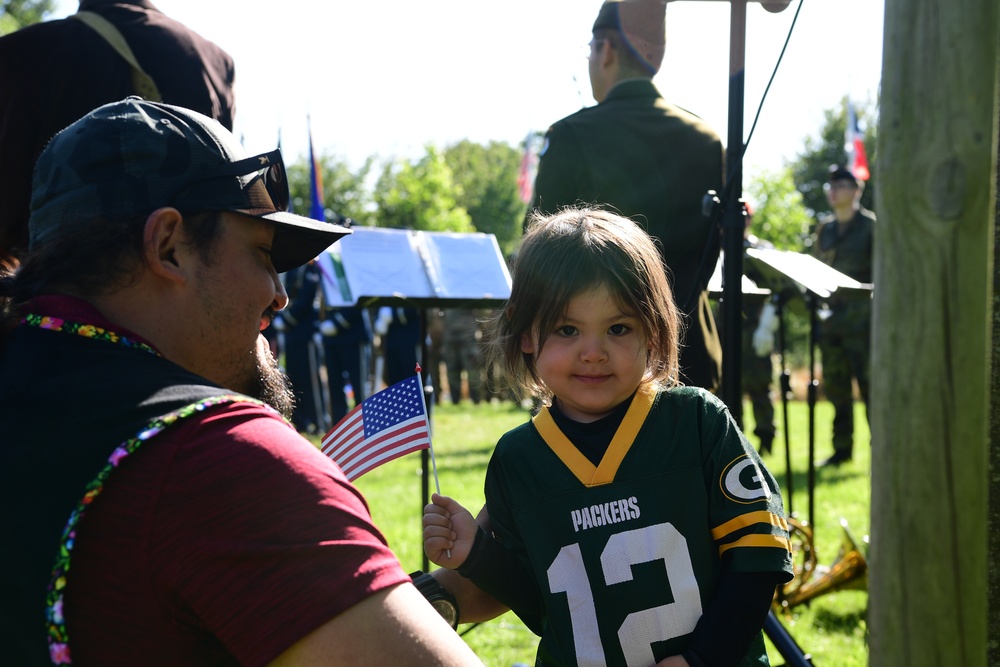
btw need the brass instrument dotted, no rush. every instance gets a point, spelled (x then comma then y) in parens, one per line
(849, 570)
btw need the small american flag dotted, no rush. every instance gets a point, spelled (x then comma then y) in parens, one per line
(383, 427)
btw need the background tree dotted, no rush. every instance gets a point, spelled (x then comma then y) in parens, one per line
(809, 169)
(15, 14)
(486, 177)
(420, 195)
(345, 192)
(780, 215)
(931, 321)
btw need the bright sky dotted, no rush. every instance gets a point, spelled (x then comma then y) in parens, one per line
(387, 77)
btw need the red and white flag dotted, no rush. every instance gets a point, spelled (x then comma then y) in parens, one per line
(528, 170)
(854, 144)
(383, 427)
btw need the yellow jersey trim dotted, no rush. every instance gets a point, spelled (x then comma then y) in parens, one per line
(578, 464)
(775, 541)
(748, 519)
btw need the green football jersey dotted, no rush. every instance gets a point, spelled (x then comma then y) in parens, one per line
(627, 554)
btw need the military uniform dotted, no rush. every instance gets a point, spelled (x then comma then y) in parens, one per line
(758, 375)
(401, 343)
(844, 336)
(651, 161)
(347, 347)
(460, 350)
(301, 353)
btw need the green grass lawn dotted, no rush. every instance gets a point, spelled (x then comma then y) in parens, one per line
(831, 627)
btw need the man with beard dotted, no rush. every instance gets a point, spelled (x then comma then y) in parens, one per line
(158, 508)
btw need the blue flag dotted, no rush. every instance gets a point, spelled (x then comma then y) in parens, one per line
(316, 208)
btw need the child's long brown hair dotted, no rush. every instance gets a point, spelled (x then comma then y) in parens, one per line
(571, 252)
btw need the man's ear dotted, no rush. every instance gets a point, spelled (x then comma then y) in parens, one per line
(162, 244)
(609, 54)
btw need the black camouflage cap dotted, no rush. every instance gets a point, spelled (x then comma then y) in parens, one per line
(838, 172)
(129, 158)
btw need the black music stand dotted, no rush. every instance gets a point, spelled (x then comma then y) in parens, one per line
(782, 272)
(376, 266)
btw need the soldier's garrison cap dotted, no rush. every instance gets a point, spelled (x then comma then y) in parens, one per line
(643, 25)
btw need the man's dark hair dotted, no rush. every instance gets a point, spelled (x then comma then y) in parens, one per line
(96, 258)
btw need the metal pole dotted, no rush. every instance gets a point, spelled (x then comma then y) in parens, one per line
(783, 641)
(425, 457)
(812, 396)
(732, 276)
(785, 385)
(732, 220)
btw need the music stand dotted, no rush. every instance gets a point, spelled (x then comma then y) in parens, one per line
(394, 267)
(814, 281)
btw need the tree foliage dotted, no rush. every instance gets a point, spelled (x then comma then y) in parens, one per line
(345, 192)
(466, 187)
(779, 213)
(809, 169)
(15, 14)
(486, 177)
(420, 194)
(780, 216)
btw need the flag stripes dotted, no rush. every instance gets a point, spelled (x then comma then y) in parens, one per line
(385, 426)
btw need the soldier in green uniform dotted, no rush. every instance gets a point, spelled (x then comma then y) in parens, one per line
(844, 240)
(460, 350)
(649, 160)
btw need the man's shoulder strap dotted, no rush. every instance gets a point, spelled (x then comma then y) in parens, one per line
(143, 84)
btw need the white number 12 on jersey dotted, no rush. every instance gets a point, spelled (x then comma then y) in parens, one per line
(661, 542)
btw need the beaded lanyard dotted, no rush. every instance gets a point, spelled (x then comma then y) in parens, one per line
(58, 637)
(85, 330)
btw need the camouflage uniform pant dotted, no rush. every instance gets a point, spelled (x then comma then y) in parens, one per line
(459, 355)
(757, 376)
(845, 356)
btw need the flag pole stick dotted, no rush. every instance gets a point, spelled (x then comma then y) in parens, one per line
(430, 439)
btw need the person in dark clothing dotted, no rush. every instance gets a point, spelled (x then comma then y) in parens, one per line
(845, 240)
(760, 322)
(347, 348)
(648, 160)
(460, 350)
(53, 73)
(298, 324)
(399, 328)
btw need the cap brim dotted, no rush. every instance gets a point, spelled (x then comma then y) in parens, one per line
(298, 239)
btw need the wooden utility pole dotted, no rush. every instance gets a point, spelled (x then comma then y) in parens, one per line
(993, 520)
(932, 335)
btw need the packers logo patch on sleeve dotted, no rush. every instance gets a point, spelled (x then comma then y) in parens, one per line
(742, 481)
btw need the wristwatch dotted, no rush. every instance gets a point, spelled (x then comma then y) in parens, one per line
(443, 601)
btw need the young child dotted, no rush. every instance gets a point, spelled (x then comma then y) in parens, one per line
(631, 521)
